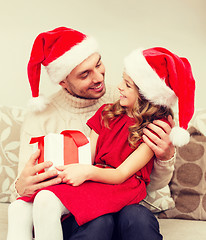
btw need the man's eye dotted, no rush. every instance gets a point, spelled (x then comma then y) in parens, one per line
(84, 75)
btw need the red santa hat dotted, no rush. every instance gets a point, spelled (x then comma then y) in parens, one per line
(162, 78)
(60, 51)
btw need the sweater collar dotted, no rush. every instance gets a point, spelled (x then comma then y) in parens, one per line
(66, 100)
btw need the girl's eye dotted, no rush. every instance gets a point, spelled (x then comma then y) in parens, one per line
(98, 64)
(128, 85)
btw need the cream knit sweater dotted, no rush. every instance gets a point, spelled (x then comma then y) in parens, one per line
(67, 112)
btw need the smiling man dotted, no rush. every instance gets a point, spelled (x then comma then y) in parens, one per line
(72, 60)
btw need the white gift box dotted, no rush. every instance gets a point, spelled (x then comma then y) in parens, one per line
(68, 147)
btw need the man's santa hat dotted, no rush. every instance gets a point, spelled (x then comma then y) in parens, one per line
(60, 51)
(162, 77)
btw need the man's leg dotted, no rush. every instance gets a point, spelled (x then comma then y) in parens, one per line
(136, 222)
(100, 228)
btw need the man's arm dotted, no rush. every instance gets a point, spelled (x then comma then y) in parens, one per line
(164, 152)
(162, 145)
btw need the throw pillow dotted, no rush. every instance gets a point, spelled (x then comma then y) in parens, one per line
(188, 185)
(159, 200)
(10, 123)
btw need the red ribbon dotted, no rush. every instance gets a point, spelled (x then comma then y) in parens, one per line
(72, 140)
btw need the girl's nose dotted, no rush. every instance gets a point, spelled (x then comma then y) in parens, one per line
(120, 86)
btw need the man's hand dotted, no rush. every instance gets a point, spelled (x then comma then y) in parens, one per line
(161, 146)
(74, 174)
(29, 181)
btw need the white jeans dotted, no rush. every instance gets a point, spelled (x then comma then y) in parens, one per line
(44, 214)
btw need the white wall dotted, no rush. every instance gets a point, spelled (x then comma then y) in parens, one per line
(118, 25)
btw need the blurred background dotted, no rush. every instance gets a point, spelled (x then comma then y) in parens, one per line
(118, 25)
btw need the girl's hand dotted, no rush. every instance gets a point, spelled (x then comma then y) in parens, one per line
(74, 174)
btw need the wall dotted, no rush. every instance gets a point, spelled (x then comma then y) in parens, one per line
(118, 25)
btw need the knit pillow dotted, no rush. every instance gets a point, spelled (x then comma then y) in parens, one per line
(10, 122)
(188, 185)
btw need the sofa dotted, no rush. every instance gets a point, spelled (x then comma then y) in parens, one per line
(180, 207)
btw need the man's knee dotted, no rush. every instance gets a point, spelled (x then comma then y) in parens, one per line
(137, 220)
(137, 216)
(104, 222)
(100, 228)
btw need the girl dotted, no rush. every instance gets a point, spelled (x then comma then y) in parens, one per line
(122, 161)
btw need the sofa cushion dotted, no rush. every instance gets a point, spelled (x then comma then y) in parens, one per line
(188, 185)
(10, 123)
(159, 200)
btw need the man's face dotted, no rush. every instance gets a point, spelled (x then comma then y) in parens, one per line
(87, 79)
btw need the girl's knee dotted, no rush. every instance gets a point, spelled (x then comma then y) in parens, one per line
(46, 203)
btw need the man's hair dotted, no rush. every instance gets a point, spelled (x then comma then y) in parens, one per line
(144, 112)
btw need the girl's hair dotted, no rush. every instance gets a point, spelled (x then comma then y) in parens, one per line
(144, 112)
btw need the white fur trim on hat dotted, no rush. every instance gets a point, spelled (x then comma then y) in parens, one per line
(60, 68)
(179, 136)
(150, 84)
(38, 104)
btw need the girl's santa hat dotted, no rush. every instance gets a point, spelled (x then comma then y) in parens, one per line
(163, 77)
(60, 51)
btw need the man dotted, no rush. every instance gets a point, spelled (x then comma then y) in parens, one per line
(72, 60)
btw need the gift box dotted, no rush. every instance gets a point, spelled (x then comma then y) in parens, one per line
(70, 146)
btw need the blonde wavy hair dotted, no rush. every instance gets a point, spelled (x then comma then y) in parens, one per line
(143, 112)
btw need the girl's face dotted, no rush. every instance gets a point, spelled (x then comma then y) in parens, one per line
(128, 92)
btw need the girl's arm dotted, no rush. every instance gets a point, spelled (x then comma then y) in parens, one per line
(137, 160)
(76, 174)
(93, 143)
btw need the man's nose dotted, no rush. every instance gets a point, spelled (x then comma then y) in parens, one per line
(98, 76)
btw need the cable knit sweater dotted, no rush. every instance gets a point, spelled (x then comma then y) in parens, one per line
(65, 111)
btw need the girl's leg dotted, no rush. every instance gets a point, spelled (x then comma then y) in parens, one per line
(47, 212)
(20, 220)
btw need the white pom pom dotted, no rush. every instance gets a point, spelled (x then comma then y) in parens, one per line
(38, 104)
(179, 136)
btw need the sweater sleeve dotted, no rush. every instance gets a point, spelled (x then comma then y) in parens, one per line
(161, 175)
(25, 150)
(25, 153)
(162, 171)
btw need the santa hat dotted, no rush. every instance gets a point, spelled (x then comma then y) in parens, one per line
(60, 51)
(162, 77)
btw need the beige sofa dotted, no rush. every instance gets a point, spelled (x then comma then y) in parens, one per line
(189, 227)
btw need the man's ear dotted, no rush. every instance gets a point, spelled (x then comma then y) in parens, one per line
(63, 83)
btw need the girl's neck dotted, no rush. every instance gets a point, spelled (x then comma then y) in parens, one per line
(129, 112)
